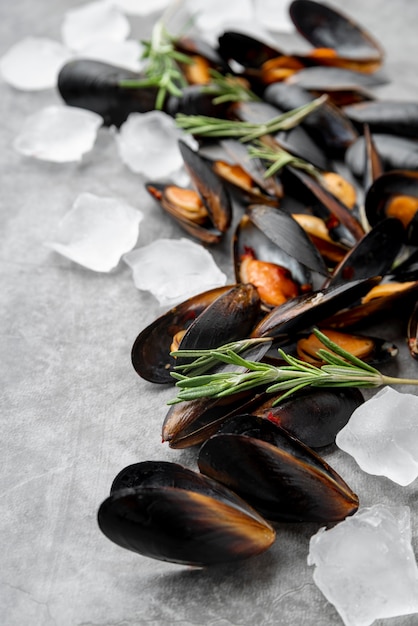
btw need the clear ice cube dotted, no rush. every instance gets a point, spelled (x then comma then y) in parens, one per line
(382, 436)
(94, 21)
(148, 144)
(34, 63)
(126, 54)
(212, 18)
(365, 565)
(97, 231)
(58, 133)
(174, 270)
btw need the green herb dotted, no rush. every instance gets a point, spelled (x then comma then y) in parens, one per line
(280, 158)
(228, 88)
(205, 126)
(341, 369)
(162, 70)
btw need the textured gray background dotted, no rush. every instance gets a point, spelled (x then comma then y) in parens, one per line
(74, 412)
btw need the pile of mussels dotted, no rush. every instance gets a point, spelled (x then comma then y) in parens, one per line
(342, 256)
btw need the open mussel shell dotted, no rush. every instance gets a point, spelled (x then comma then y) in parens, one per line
(307, 310)
(314, 416)
(248, 51)
(342, 224)
(278, 475)
(412, 332)
(390, 298)
(167, 512)
(324, 27)
(209, 186)
(192, 217)
(151, 350)
(277, 275)
(286, 234)
(372, 350)
(373, 255)
(395, 194)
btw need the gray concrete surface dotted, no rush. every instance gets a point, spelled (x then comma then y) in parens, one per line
(74, 412)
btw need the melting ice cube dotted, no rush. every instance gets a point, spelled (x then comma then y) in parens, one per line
(148, 144)
(58, 133)
(97, 231)
(94, 21)
(365, 565)
(382, 436)
(34, 63)
(174, 270)
(126, 54)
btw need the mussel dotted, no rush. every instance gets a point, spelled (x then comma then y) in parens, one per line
(314, 416)
(168, 512)
(229, 313)
(204, 212)
(338, 39)
(278, 475)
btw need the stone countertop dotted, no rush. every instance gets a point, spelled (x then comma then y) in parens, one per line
(74, 411)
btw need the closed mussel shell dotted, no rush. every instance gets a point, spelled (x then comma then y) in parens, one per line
(281, 477)
(167, 512)
(314, 416)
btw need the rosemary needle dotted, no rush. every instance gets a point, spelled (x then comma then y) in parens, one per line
(341, 369)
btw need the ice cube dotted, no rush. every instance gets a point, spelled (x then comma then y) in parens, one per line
(382, 436)
(274, 15)
(34, 63)
(365, 565)
(174, 270)
(141, 7)
(126, 54)
(148, 144)
(212, 18)
(94, 21)
(58, 133)
(97, 231)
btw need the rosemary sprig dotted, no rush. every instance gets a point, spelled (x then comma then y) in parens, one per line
(205, 126)
(279, 159)
(162, 70)
(341, 369)
(228, 88)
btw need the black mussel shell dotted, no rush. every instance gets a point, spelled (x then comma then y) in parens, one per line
(395, 194)
(287, 235)
(278, 475)
(386, 117)
(314, 416)
(250, 241)
(373, 255)
(228, 318)
(307, 310)
(96, 86)
(201, 229)
(324, 27)
(167, 512)
(246, 50)
(412, 332)
(396, 153)
(328, 126)
(209, 186)
(151, 350)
